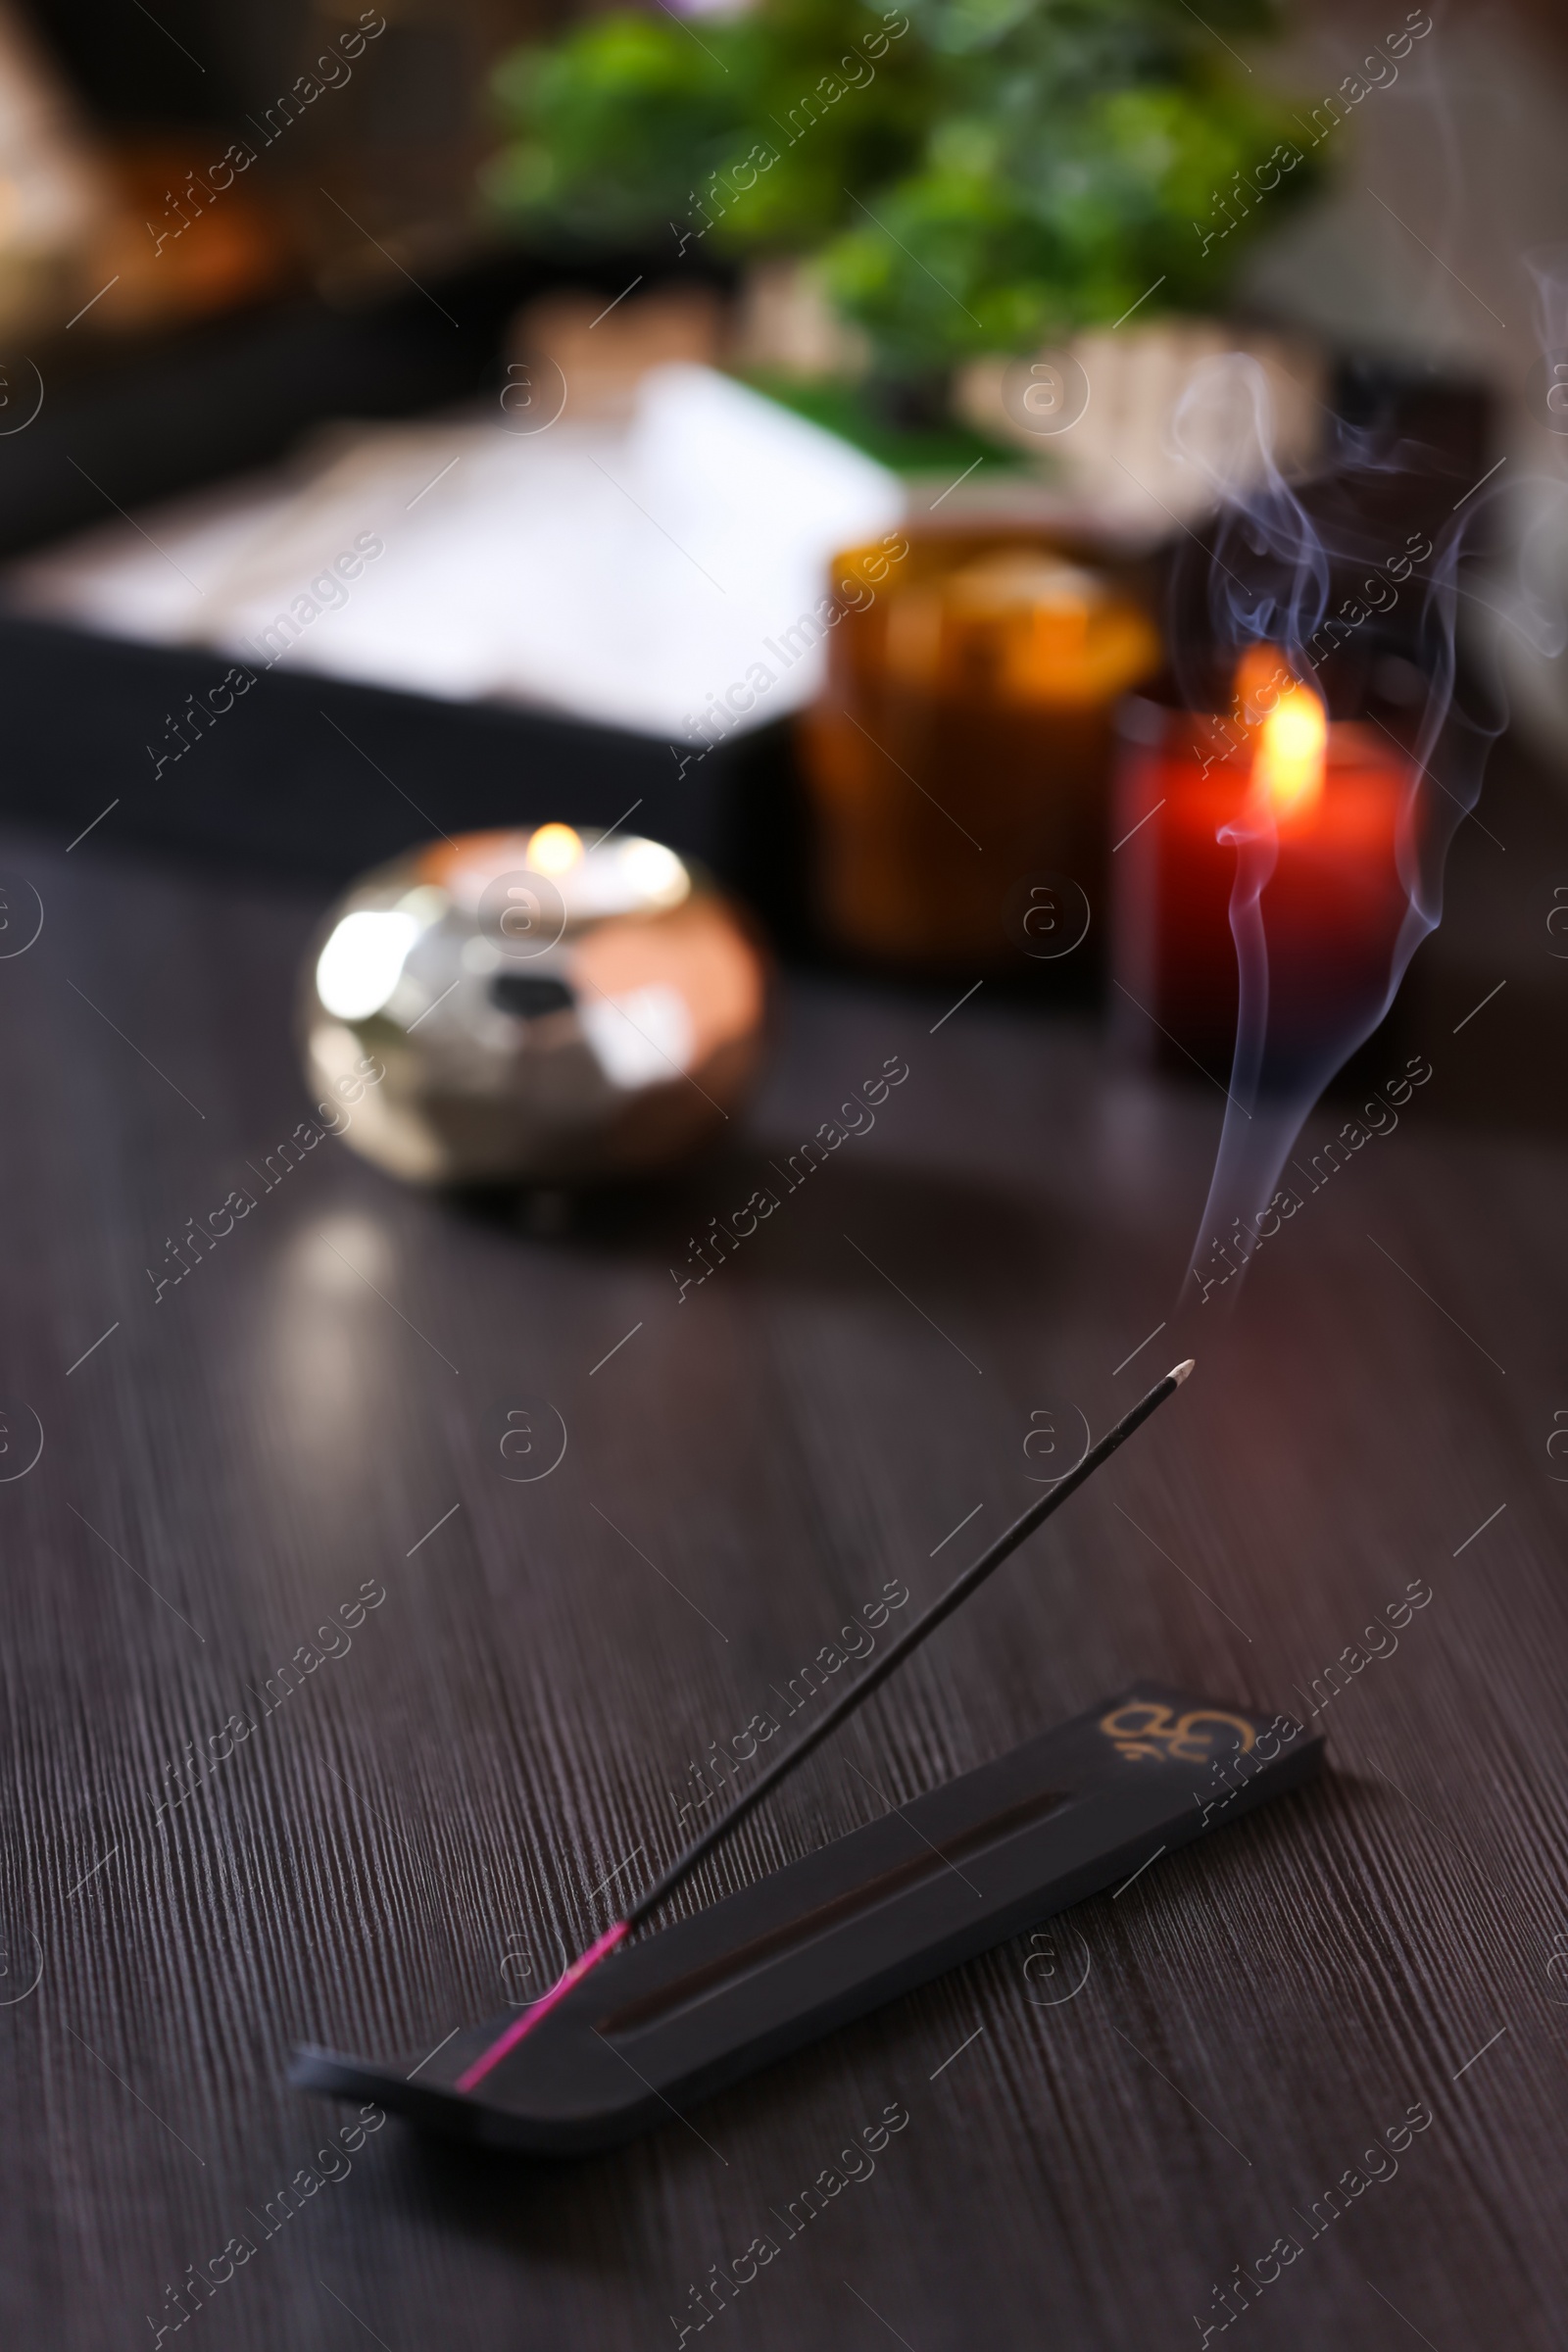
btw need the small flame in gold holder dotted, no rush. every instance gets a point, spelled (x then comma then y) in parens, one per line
(555, 849)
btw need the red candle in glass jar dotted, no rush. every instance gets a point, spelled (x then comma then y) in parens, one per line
(1316, 811)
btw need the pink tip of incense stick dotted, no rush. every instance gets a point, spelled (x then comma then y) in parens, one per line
(531, 2018)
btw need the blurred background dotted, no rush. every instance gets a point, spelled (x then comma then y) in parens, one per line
(461, 414)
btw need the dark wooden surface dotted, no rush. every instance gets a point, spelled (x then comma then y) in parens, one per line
(230, 1464)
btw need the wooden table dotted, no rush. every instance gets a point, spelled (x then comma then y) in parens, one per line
(438, 1813)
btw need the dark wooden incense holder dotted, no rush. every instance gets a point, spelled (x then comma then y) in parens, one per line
(683, 2013)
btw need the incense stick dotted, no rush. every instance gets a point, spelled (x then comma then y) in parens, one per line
(842, 1707)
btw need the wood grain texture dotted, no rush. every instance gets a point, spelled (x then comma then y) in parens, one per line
(519, 1715)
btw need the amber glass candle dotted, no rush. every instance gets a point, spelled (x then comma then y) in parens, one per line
(963, 743)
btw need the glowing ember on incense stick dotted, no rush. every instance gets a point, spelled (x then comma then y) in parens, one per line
(956, 1594)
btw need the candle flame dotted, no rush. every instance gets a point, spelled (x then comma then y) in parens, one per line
(555, 849)
(1292, 753)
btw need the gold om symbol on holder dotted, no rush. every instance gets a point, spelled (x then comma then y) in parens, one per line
(1139, 1729)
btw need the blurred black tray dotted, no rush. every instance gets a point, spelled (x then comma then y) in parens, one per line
(311, 776)
(273, 786)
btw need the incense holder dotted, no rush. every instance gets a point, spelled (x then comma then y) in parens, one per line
(686, 2012)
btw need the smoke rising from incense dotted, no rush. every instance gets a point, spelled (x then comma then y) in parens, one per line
(1280, 559)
